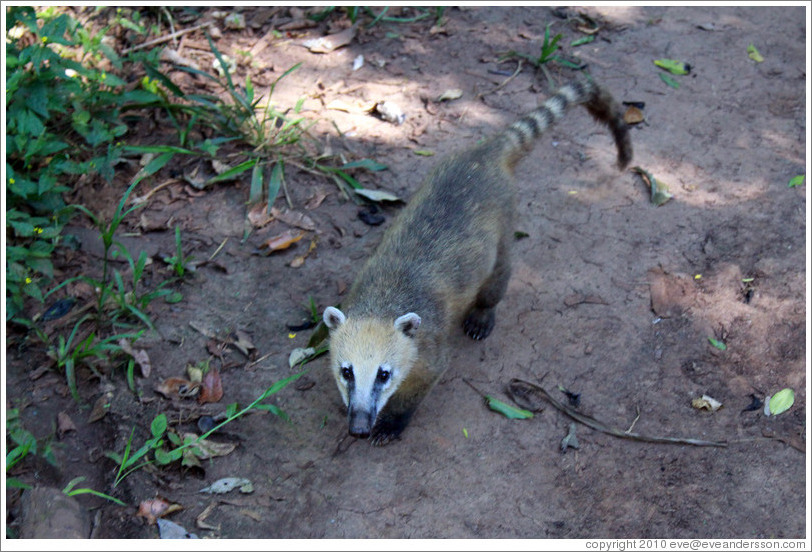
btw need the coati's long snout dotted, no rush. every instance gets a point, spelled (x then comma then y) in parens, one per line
(360, 422)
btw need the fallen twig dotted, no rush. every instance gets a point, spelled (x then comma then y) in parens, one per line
(165, 38)
(525, 395)
(507, 80)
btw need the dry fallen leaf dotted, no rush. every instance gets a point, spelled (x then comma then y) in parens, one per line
(171, 530)
(450, 94)
(258, 215)
(227, 484)
(282, 241)
(633, 115)
(175, 388)
(100, 407)
(299, 261)
(154, 508)
(294, 218)
(201, 519)
(242, 341)
(139, 355)
(64, 424)
(206, 449)
(211, 388)
(706, 403)
(326, 44)
(315, 200)
(658, 188)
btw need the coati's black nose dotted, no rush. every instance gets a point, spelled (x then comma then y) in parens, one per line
(360, 423)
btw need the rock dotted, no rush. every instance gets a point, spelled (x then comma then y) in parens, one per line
(47, 513)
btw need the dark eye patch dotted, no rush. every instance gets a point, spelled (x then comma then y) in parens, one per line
(383, 375)
(346, 373)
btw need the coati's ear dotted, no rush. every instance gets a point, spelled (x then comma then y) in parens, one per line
(408, 324)
(333, 318)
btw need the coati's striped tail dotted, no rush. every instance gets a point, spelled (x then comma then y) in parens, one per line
(519, 136)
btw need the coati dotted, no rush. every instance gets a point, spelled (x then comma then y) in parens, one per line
(445, 262)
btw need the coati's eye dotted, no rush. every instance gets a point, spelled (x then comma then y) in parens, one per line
(383, 375)
(346, 373)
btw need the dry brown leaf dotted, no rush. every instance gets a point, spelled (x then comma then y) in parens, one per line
(294, 218)
(206, 449)
(633, 115)
(299, 261)
(283, 240)
(201, 519)
(315, 200)
(154, 508)
(140, 356)
(242, 341)
(258, 215)
(39, 372)
(327, 44)
(64, 424)
(100, 407)
(175, 388)
(211, 388)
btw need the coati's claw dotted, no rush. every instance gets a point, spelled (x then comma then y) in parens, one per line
(479, 324)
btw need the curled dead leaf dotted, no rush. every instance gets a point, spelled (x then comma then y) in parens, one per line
(258, 215)
(299, 261)
(64, 424)
(211, 388)
(242, 341)
(706, 402)
(294, 218)
(155, 508)
(205, 449)
(139, 355)
(315, 200)
(450, 94)
(100, 407)
(282, 241)
(227, 484)
(633, 115)
(176, 388)
(327, 44)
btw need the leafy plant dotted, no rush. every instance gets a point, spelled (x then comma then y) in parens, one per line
(63, 121)
(129, 461)
(25, 444)
(67, 357)
(178, 262)
(70, 491)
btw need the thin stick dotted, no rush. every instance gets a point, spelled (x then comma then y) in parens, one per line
(504, 83)
(165, 38)
(519, 391)
(216, 251)
(634, 421)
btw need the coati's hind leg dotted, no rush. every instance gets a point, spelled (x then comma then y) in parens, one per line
(481, 318)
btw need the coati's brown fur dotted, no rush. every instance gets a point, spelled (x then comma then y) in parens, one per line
(445, 262)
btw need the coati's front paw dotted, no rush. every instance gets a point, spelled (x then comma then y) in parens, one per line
(388, 429)
(479, 323)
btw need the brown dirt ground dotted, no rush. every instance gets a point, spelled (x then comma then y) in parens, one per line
(727, 142)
